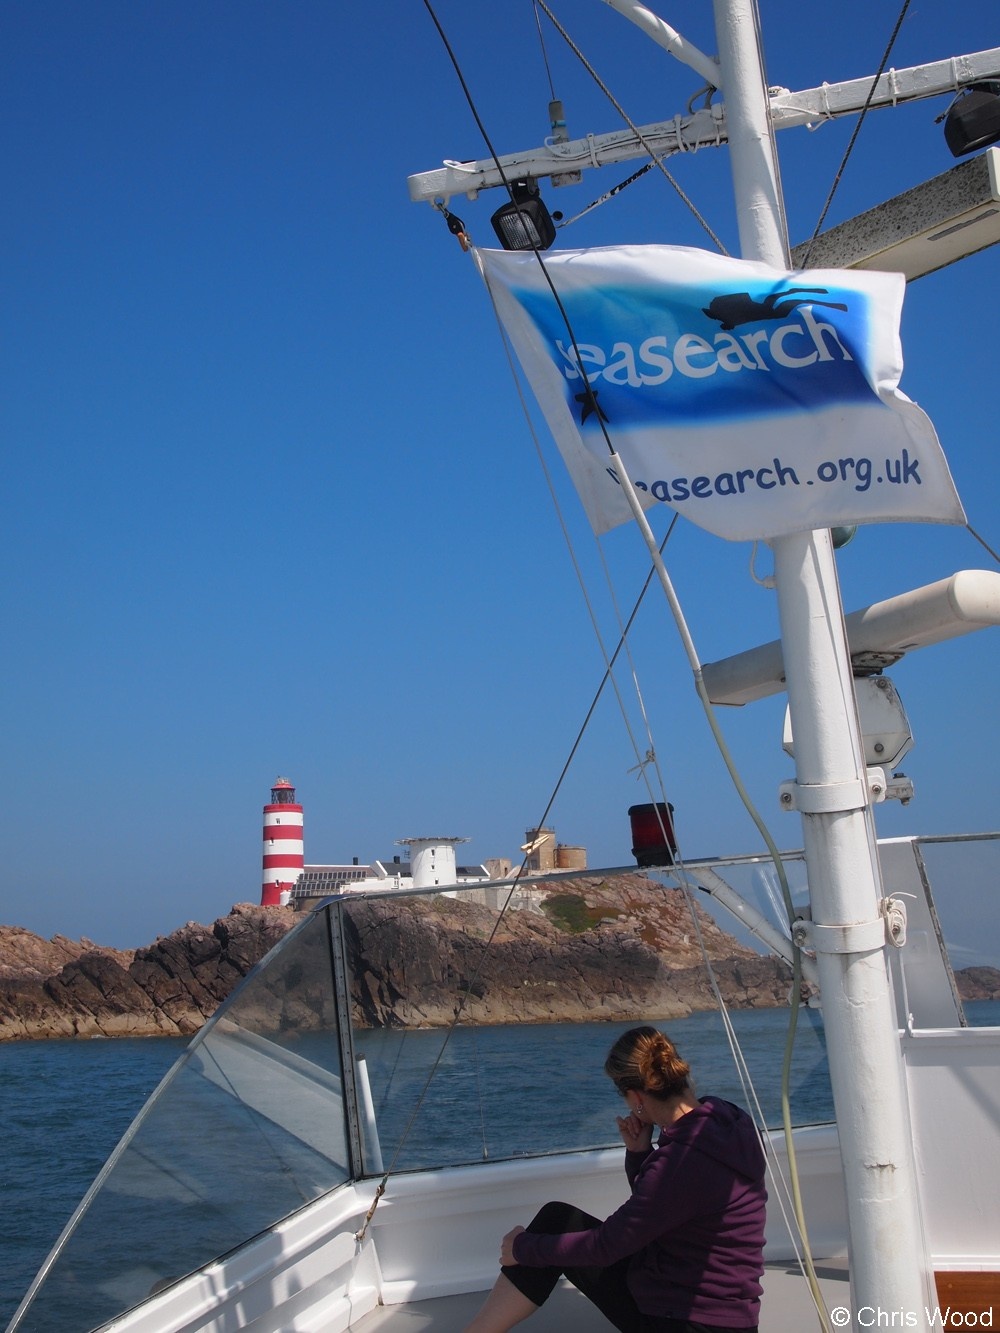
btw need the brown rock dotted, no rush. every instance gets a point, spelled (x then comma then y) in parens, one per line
(415, 961)
(170, 988)
(24, 955)
(978, 983)
(595, 951)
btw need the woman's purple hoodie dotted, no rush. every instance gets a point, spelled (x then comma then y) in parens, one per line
(694, 1224)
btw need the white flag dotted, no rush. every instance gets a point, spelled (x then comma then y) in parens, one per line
(754, 402)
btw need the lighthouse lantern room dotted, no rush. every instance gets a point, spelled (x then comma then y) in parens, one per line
(284, 849)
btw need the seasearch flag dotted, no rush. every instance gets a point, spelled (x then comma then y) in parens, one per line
(754, 402)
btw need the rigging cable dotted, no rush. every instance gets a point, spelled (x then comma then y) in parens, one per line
(545, 54)
(689, 648)
(982, 542)
(805, 1257)
(736, 778)
(656, 159)
(627, 487)
(856, 131)
(623, 642)
(608, 675)
(785, 1193)
(608, 194)
(790, 1190)
(463, 997)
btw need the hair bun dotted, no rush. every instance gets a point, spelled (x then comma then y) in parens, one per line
(662, 1069)
(646, 1060)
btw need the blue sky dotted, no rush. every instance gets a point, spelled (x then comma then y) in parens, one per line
(271, 505)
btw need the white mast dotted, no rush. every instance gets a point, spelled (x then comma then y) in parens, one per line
(888, 1260)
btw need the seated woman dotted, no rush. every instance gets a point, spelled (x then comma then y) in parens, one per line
(684, 1253)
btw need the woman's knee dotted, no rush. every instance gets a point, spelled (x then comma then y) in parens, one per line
(556, 1218)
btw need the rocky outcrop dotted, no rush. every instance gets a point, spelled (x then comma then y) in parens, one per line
(591, 950)
(26, 956)
(978, 983)
(167, 989)
(625, 952)
(607, 955)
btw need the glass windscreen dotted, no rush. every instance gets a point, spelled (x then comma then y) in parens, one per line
(576, 962)
(246, 1128)
(965, 874)
(516, 1090)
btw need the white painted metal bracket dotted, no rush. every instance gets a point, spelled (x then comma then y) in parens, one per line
(848, 937)
(854, 936)
(834, 797)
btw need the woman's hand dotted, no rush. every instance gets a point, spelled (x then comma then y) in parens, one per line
(636, 1136)
(507, 1247)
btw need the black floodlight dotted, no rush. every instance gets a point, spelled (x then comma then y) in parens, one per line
(524, 223)
(973, 119)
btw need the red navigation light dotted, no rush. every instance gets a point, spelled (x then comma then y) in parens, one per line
(653, 841)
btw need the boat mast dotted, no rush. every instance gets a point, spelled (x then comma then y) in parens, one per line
(847, 931)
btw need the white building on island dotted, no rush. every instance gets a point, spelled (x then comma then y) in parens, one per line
(431, 862)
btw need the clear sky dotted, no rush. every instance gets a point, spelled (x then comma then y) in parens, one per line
(270, 503)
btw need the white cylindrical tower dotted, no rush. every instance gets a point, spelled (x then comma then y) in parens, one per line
(432, 860)
(284, 849)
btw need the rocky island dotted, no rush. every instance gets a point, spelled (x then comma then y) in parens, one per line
(593, 951)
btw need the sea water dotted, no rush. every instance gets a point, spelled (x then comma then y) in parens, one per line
(65, 1104)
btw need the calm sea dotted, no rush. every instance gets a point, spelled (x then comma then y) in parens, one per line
(65, 1104)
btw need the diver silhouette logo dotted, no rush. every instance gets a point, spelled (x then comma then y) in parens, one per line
(741, 308)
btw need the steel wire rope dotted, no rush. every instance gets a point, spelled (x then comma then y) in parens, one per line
(748, 803)
(475, 1064)
(623, 642)
(656, 160)
(538, 256)
(856, 131)
(803, 1255)
(982, 542)
(669, 592)
(785, 1192)
(460, 1007)
(608, 675)
(606, 196)
(641, 520)
(387, 1089)
(545, 54)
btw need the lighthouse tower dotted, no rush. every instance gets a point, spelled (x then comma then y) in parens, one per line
(284, 850)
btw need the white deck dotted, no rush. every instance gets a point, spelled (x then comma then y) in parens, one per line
(786, 1306)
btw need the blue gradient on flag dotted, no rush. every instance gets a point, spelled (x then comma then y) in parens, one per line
(654, 357)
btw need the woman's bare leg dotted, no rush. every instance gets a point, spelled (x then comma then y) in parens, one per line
(504, 1307)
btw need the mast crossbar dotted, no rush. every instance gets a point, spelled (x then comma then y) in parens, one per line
(706, 127)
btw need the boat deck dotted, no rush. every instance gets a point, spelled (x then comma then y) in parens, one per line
(786, 1305)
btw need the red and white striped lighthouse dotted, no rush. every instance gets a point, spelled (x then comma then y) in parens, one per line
(284, 850)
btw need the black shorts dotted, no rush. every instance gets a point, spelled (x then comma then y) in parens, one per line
(607, 1287)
